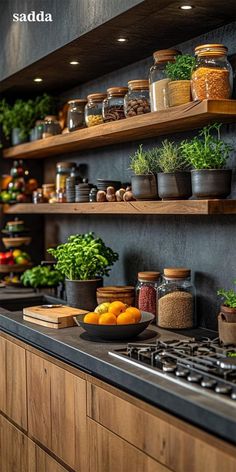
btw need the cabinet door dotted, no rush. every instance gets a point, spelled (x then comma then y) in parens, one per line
(13, 448)
(39, 461)
(13, 382)
(57, 410)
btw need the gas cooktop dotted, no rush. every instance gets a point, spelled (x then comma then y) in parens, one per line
(202, 365)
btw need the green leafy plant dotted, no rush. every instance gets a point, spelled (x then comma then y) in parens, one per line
(207, 150)
(41, 276)
(181, 69)
(84, 257)
(229, 297)
(44, 105)
(171, 159)
(144, 162)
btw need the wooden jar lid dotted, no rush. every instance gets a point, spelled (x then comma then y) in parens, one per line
(148, 276)
(96, 97)
(177, 272)
(165, 55)
(117, 91)
(211, 50)
(138, 84)
(77, 100)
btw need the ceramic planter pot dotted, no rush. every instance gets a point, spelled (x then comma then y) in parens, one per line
(227, 331)
(228, 313)
(144, 187)
(16, 137)
(211, 183)
(179, 92)
(174, 185)
(82, 293)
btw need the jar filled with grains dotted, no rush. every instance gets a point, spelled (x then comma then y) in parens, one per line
(212, 77)
(176, 300)
(113, 104)
(146, 291)
(158, 82)
(93, 109)
(137, 100)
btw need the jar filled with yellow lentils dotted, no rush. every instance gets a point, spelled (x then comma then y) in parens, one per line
(93, 109)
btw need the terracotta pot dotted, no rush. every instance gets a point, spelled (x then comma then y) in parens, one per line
(174, 185)
(82, 293)
(144, 187)
(229, 313)
(227, 331)
(124, 294)
(211, 183)
(179, 92)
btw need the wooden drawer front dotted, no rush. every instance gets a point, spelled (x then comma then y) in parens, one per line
(39, 461)
(13, 382)
(109, 453)
(172, 442)
(57, 410)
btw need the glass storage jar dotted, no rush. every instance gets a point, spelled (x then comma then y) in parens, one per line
(93, 109)
(63, 171)
(212, 77)
(176, 300)
(51, 126)
(158, 82)
(137, 100)
(75, 114)
(113, 104)
(146, 291)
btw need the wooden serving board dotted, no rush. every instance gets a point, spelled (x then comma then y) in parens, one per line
(55, 317)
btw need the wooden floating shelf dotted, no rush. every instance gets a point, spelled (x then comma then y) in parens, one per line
(178, 207)
(182, 118)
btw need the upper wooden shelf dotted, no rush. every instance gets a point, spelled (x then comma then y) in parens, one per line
(184, 117)
(177, 207)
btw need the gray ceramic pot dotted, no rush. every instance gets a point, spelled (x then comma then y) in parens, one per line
(212, 183)
(144, 187)
(174, 185)
(82, 293)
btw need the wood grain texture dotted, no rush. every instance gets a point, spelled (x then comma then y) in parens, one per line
(184, 117)
(60, 317)
(40, 461)
(3, 376)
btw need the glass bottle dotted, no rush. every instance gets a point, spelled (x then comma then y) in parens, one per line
(146, 291)
(75, 114)
(158, 82)
(93, 109)
(137, 101)
(113, 104)
(63, 171)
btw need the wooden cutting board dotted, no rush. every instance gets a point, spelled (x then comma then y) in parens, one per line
(57, 316)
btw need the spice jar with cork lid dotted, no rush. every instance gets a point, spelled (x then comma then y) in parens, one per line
(137, 100)
(212, 77)
(146, 291)
(113, 104)
(93, 109)
(176, 300)
(158, 82)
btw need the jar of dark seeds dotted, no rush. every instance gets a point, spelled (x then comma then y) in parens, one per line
(137, 100)
(146, 291)
(113, 105)
(176, 300)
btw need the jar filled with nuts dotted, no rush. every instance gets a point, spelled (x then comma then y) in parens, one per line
(137, 100)
(158, 82)
(212, 77)
(93, 109)
(113, 105)
(176, 300)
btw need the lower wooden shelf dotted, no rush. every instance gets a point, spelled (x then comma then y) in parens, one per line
(176, 207)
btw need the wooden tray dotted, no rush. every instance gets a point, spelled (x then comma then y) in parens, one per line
(18, 268)
(57, 316)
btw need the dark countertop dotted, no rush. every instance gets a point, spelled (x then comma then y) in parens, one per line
(71, 345)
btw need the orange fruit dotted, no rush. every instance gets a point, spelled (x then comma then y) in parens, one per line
(117, 308)
(91, 318)
(125, 318)
(107, 319)
(135, 312)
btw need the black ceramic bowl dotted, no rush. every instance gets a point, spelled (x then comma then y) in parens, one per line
(113, 332)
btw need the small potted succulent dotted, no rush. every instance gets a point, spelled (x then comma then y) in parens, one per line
(174, 180)
(228, 308)
(179, 73)
(207, 153)
(83, 260)
(144, 165)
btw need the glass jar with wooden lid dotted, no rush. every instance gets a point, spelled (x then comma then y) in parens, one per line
(146, 291)
(75, 114)
(93, 109)
(64, 170)
(158, 82)
(137, 101)
(176, 300)
(212, 77)
(51, 126)
(113, 104)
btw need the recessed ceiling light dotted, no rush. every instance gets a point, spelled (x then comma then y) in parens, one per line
(74, 63)
(38, 79)
(186, 7)
(121, 40)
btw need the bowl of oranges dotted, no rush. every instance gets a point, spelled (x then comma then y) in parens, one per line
(115, 320)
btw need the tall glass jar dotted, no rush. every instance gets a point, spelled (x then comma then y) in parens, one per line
(113, 104)
(51, 126)
(158, 82)
(176, 300)
(63, 171)
(75, 114)
(212, 77)
(93, 109)
(146, 291)
(137, 100)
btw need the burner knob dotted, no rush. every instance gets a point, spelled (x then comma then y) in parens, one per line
(224, 389)
(168, 367)
(181, 372)
(194, 378)
(228, 363)
(208, 383)
(233, 395)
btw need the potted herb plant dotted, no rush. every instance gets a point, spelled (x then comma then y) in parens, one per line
(174, 180)
(179, 73)
(207, 153)
(228, 307)
(144, 164)
(42, 277)
(83, 260)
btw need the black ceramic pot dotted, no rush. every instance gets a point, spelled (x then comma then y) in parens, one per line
(211, 183)
(82, 293)
(174, 185)
(16, 137)
(144, 187)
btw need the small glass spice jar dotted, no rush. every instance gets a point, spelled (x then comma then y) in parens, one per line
(146, 291)
(158, 82)
(51, 126)
(75, 114)
(176, 300)
(212, 77)
(38, 196)
(113, 104)
(63, 171)
(93, 109)
(137, 100)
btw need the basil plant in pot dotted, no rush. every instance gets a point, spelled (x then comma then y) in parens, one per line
(179, 73)
(174, 180)
(83, 260)
(207, 154)
(228, 307)
(144, 165)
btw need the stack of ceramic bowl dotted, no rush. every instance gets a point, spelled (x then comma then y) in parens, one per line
(125, 294)
(82, 192)
(102, 184)
(70, 189)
